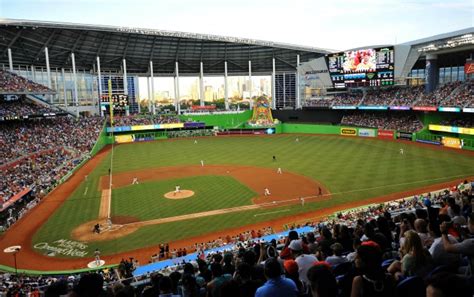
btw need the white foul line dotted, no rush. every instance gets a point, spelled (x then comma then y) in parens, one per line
(85, 191)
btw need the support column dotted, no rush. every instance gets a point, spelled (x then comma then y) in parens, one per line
(298, 98)
(125, 81)
(226, 89)
(137, 97)
(33, 73)
(10, 59)
(56, 85)
(152, 97)
(125, 84)
(48, 72)
(432, 73)
(74, 78)
(64, 87)
(201, 85)
(273, 84)
(250, 85)
(148, 80)
(178, 106)
(99, 80)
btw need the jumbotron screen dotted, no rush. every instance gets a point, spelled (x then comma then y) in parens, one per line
(364, 67)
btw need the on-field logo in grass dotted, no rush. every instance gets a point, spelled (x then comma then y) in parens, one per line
(63, 247)
(348, 131)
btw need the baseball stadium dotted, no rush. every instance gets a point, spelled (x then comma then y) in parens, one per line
(134, 154)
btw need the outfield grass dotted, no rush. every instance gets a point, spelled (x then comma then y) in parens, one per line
(210, 193)
(351, 168)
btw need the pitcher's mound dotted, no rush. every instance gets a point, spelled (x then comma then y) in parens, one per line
(180, 195)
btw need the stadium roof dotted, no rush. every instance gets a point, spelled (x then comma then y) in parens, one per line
(27, 39)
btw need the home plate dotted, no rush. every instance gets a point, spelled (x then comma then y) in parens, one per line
(96, 264)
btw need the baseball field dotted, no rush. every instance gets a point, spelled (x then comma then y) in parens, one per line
(320, 174)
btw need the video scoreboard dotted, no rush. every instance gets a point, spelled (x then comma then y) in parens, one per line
(120, 102)
(364, 67)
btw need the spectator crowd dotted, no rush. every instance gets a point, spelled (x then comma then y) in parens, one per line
(401, 122)
(11, 82)
(144, 120)
(460, 94)
(22, 107)
(36, 154)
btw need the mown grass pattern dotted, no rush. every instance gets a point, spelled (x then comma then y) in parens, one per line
(352, 169)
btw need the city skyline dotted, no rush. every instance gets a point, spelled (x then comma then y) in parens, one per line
(189, 88)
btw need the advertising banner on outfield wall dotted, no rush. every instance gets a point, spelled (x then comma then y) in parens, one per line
(366, 132)
(452, 142)
(387, 134)
(124, 138)
(404, 135)
(348, 131)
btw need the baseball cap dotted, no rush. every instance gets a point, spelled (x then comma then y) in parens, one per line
(370, 243)
(291, 266)
(295, 245)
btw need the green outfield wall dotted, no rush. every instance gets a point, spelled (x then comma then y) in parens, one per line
(225, 121)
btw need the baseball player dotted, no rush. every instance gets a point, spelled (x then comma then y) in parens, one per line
(97, 257)
(195, 141)
(302, 201)
(202, 163)
(135, 181)
(401, 151)
(267, 192)
(177, 190)
(279, 170)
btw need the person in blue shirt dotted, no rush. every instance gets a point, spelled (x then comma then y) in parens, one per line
(277, 285)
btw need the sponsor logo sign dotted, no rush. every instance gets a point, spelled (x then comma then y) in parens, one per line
(386, 134)
(425, 108)
(428, 141)
(452, 142)
(349, 131)
(404, 135)
(366, 132)
(373, 107)
(468, 109)
(400, 107)
(64, 247)
(450, 109)
(343, 107)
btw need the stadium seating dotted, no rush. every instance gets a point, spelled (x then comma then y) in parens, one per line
(402, 122)
(22, 107)
(36, 154)
(11, 82)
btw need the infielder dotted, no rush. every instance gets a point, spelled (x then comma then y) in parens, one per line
(302, 201)
(202, 163)
(267, 192)
(135, 181)
(279, 170)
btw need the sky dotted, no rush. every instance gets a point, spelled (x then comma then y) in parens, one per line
(330, 24)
